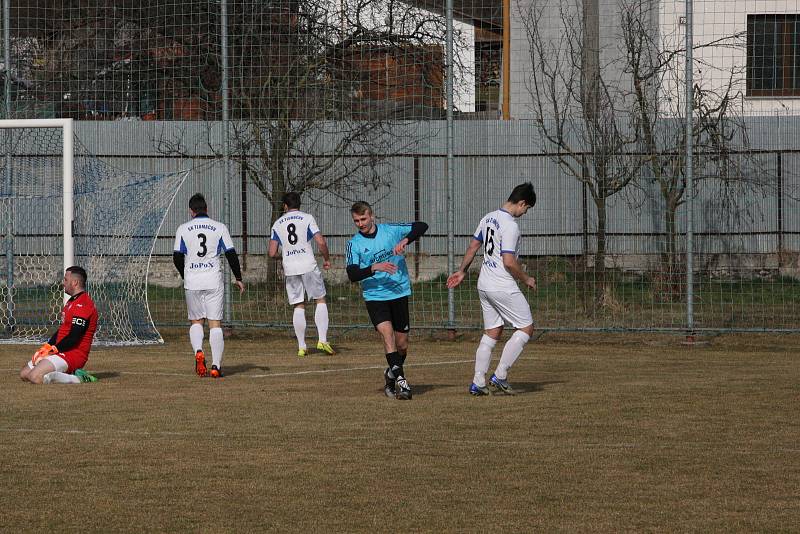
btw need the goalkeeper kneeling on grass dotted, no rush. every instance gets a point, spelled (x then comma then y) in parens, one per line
(61, 359)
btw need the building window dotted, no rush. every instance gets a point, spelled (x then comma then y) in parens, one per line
(773, 55)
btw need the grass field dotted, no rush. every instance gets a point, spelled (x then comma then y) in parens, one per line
(607, 434)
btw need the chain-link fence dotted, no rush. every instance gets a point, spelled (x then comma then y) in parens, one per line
(388, 102)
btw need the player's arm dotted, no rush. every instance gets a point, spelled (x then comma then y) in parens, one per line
(418, 229)
(273, 248)
(274, 244)
(236, 269)
(356, 273)
(179, 253)
(179, 259)
(226, 243)
(515, 269)
(76, 332)
(322, 244)
(454, 279)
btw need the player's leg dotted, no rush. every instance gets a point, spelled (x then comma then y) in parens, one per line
(296, 295)
(35, 373)
(24, 373)
(515, 309)
(493, 329)
(299, 323)
(196, 314)
(315, 289)
(381, 318)
(213, 309)
(386, 333)
(321, 320)
(401, 326)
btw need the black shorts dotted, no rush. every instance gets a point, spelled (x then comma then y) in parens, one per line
(394, 311)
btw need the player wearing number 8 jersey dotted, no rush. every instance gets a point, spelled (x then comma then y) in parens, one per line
(501, 300)
(199, 244)
(293, 234)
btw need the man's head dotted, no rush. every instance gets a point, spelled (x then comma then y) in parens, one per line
(521, 199)
(74, 280)
(197, 204)
(291, 201)
(363, 217)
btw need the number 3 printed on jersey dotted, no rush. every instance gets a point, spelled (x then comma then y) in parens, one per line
(203, 249)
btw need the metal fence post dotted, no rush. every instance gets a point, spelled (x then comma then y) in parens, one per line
(226, 196)
(689, 176)
(451, 303)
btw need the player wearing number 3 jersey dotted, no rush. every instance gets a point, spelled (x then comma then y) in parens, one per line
(293, 234)
(199, 244)
(501, 300)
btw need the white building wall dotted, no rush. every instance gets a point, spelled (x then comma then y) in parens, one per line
(721, 23)
(727, 21)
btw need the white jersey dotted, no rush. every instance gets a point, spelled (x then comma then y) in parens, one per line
(499, 233)
(202, 241)
(294, 233)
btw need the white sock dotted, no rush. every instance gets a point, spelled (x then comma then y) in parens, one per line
(321, 320)
(483, 356)
(217, 342)
(196, 336)
(511, 352)
(60, 378)
(299, 322)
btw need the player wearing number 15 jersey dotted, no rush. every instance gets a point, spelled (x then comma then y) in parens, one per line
(293, 234)
(501, 300)
(199, 244)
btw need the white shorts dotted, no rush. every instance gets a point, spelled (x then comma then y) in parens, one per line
(311, 283)
(58, 362)
(205, 303)
(500, 307)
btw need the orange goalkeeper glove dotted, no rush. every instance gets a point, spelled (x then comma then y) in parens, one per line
(46, 350)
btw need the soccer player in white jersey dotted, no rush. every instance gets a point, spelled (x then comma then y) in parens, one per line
(293, 234)
(501, 300)
(199, 244)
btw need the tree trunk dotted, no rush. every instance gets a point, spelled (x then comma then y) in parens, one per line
(600, 256)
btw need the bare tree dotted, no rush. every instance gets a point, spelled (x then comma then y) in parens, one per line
(721, 153)
(323, 94)
(621, 123)
(580, 110)
(299, 123)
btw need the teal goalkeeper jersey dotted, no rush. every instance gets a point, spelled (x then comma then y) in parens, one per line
(364, 251)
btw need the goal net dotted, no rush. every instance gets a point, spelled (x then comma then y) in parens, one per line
(62, 206)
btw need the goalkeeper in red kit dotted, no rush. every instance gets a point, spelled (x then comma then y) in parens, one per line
(61, 359)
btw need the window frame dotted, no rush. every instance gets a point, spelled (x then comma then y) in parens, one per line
(785, 58)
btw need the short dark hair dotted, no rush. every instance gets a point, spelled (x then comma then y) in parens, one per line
(292, 200)
(80, 272)
(523, 192)
(198, 203)
(361, 207)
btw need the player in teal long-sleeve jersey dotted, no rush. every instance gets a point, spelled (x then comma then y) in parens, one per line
(375, 259)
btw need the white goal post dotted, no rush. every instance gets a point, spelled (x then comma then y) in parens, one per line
(62, 206)
(67, 151)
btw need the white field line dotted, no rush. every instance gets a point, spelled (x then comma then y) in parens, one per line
(284, 374)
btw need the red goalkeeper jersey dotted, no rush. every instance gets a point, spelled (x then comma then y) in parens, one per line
(81, 312)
